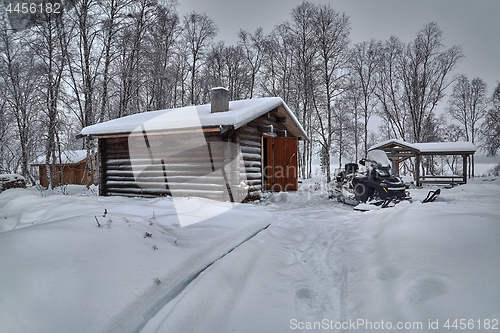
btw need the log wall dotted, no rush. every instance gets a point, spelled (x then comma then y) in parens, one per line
(159, 165)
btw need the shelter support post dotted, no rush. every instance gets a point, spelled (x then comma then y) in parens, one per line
(395, 167)
(464, 168)
(417, 170)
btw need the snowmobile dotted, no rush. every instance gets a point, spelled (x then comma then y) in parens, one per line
(372, 183)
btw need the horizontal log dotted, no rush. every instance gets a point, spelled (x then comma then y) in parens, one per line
(250, 150)
(252, 182)
(168, 166)
(140, 191)
(174, 187)
(250, 143)
(113, 175)
(248, 130)
(248, 137)
(164, 153)
(254, 176)
(254, 188)
(250, 164)
(172, 148)
(249, 170)
(134, 195)
(184, 159)
(253, 157)
(119, 161)
(268, 119)
(166, 162)
(456, 181)
(157, 174)
(441, 177)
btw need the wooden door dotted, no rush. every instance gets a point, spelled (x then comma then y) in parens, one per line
(281, 164)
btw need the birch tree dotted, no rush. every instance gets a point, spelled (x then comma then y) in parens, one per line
(111, 25)
(18, 94)
(160, 45)
(491, 128)
(413, 79)
(199, 30)
(365, 63)
(302, 36)
(253, 47)
(425, 74)
(331, 30)
(49, 44)
(468, 104)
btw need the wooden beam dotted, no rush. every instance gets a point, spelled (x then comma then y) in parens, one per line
(464, 157)
(417, 170)
(395, 167)
(400, 154)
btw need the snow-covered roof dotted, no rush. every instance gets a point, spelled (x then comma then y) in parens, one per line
(67, 157)
(433, 147)
(240, 113)
(428, 147)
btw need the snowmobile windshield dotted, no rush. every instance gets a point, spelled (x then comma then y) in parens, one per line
(383, 172)
(379, 156)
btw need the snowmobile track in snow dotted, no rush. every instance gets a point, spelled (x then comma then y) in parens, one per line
(179, 288)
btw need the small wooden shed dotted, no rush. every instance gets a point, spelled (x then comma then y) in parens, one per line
(399, 151)
(229, 151)
(72, 163)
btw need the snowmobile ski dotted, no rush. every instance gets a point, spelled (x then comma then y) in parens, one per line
(432, 195)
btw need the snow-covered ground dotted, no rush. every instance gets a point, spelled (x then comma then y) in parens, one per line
(296, 263)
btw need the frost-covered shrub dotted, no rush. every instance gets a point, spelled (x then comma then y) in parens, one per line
(495, 171)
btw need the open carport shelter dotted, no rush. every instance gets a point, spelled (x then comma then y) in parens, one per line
(399, 151)
(230, 151)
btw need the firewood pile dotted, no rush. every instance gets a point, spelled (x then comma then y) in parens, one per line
(8, 181)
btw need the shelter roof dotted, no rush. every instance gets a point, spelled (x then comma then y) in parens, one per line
(428, 148)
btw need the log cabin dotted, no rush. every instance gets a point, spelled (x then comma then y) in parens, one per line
(70, 169)
(227, 151)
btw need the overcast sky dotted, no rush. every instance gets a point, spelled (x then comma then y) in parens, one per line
(473, 24)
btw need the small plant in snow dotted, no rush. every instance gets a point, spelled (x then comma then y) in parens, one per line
(155, 247)
(108, 223)
(152, 219)
(105, 212)
(148, 235)
(157, 281)
(175, 242)
(40, 189)
(64, 189)
(316, 186)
